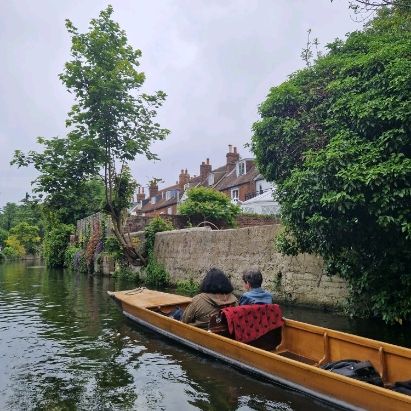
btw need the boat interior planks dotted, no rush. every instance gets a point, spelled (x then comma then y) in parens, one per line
(290, 355)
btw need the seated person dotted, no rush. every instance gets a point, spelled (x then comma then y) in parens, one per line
(254, 293)
(216, 292)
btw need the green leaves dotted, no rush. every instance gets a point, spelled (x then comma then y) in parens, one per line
(336, 139)
(210, 204)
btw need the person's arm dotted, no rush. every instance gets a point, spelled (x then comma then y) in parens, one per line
(189, 312)
(244, 300)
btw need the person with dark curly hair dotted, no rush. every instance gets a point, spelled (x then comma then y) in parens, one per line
(216, 292)
(254, 293)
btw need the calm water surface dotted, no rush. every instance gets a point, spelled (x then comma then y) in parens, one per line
(64, 345)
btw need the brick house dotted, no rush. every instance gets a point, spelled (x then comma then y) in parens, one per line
(238, 179)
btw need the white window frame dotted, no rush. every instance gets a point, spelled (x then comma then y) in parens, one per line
(241, 168)
(235, 191)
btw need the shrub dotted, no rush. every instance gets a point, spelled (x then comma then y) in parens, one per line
(125, 273)
(69, 255)
(156, 225)
(114, 250)
(10, 253)
(55, 243)
(188, 287)
(2, 257)
(156, 274)
(209, 204)
(14, 243)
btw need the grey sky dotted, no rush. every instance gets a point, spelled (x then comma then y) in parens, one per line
(216, 60)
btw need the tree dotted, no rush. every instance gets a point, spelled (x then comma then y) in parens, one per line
(66, 176)
(110, 124)
(14, 248)
(336, 139)
(210, 204)
(3, 235)
(12, 214)
(28, 236)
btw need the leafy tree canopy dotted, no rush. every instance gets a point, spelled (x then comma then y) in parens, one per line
(336, 139)
(12, 214)
(210, 204)
(28, 236)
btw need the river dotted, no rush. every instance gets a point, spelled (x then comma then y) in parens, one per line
(64, 345)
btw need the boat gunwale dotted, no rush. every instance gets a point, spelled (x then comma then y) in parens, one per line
(351, 338)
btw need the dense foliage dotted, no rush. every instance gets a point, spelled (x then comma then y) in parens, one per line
(156, 274)
(28, 211)
(28, 236)
(156, 225)
(55, 244)
(336, 139)
(210, 204)
(21, 228)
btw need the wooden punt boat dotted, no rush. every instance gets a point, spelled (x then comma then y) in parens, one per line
(294, 361)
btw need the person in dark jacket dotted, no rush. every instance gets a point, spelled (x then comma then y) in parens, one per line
(254, 293)
(216, 292)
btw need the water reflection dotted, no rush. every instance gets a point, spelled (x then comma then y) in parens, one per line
(66, 346)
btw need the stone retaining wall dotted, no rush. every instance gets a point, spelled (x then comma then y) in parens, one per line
(190, 253)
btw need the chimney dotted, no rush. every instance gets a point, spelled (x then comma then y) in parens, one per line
(205, 169)
(183, 179)
(153, 189)
(140, 194)
(232, 157)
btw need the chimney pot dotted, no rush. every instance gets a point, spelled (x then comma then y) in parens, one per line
(208, 161)
(235, 150)
(230, 148)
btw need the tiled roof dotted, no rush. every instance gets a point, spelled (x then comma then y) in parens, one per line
(161, 203)
(231, 179)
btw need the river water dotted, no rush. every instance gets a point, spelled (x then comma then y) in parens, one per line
(64, 345)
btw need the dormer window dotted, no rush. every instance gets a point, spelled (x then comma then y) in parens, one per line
(170, 194)
(241, 168)
(210, 179)
(153, 200)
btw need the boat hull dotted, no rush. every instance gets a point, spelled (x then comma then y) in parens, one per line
(316, 382)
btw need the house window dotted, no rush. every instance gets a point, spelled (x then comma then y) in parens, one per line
(241, 168)
(170, 194)
(234, 194)
(153, 200)
(210, 179)
(170, 210)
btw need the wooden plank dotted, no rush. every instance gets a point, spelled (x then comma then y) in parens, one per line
(143, 297)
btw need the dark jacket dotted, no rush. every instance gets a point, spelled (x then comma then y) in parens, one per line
(204, 305)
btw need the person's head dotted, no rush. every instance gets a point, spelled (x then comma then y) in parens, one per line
(253, 278)
(216, 282)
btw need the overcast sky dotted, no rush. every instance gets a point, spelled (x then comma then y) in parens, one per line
(215, 59)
